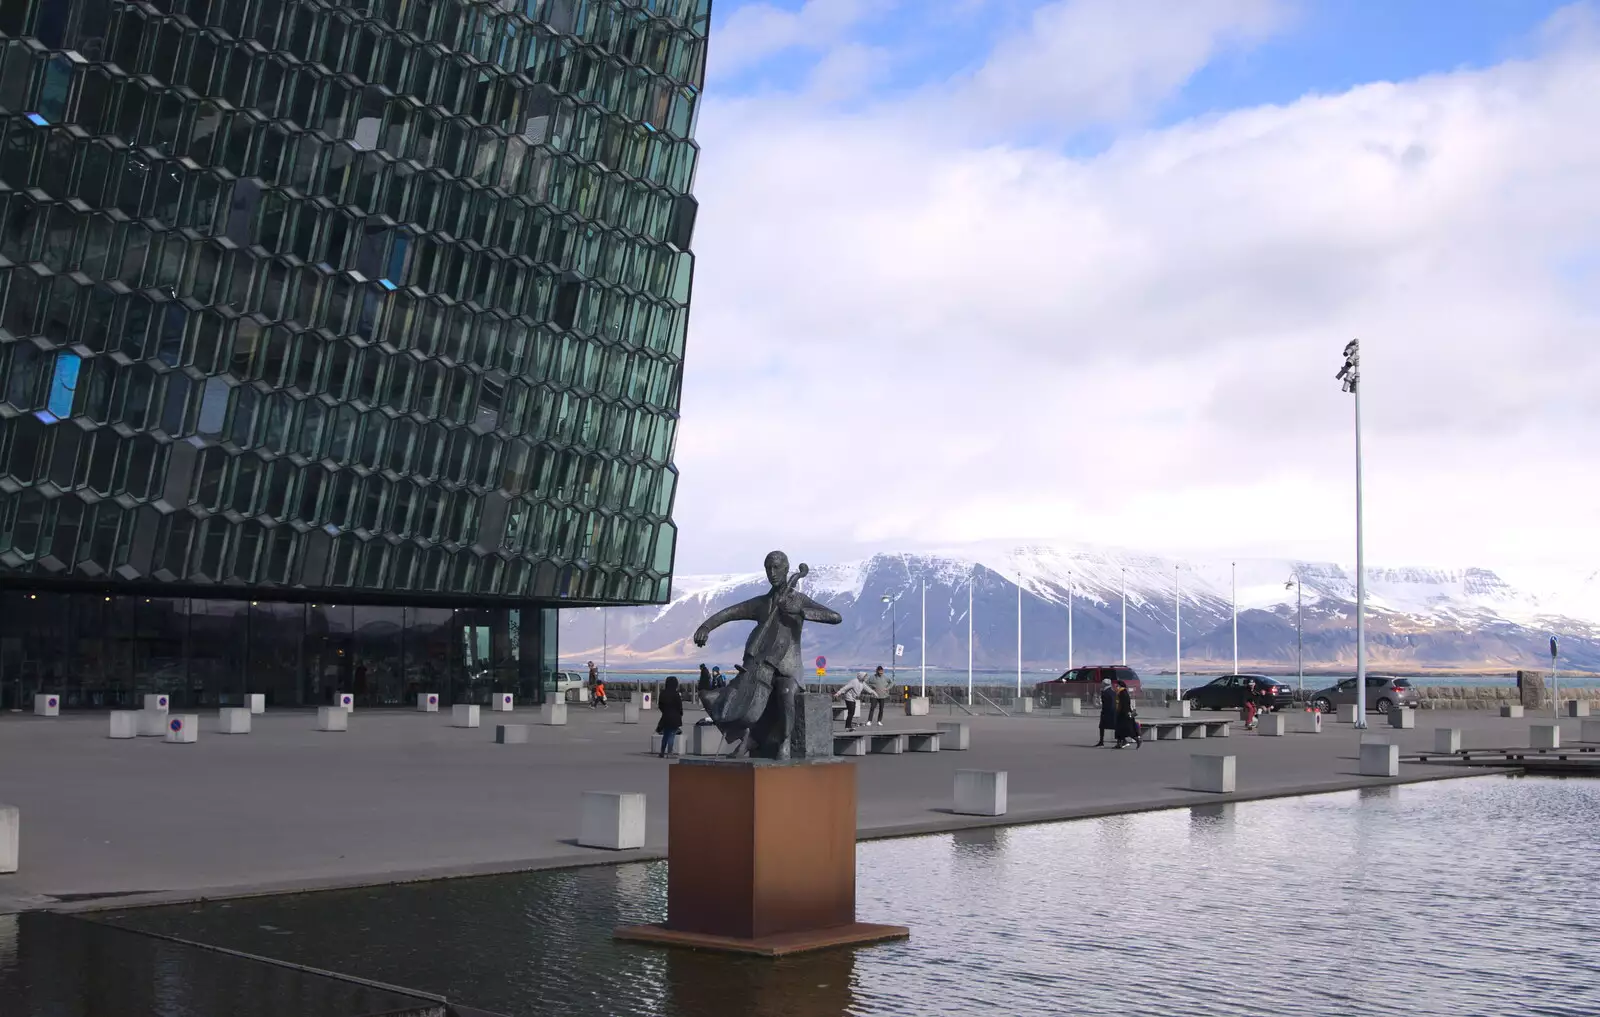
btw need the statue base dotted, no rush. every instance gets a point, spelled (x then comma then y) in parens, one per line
(761, 859)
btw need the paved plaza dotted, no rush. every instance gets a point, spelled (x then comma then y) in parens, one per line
(405, 795)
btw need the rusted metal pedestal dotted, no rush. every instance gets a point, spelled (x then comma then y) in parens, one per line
(761, 859)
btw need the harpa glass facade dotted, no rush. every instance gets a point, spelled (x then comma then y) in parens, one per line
(340, 342)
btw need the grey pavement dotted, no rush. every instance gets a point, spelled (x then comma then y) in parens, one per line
(403, 795)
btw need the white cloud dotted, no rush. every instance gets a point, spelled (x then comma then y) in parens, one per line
(757, 31)
(905, 336)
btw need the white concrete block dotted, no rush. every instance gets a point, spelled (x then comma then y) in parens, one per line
(182, 728)
(152, 723)
(511, 734)
(553, 713)
(1212, 773)
(1375, 738)
(705, 740)
(332, 718)
(1447, 739)
(256, 702)
(630, 712)
(980, 793)
(1512, 710)
(646, 701)
(1273, 725)
(1589, 731)
(954, 735)
(157, 701)
(677, 745)
(345, 701)
(1180, 708)
(922, 742)
(890, 744)
(851, 745)
(1072, 706)
(1577, 708)
(1025, 704)
(1309, 722)
(917, 706)
(427, 702)
(10, 837)
(464, 715)
(233, 720)
(1347, 713)
(124, 723)
(1380, 759)
(502, 702)
(47, 704)
(612, 819)
(1403, 718)
(1544, 736)
(578, 695)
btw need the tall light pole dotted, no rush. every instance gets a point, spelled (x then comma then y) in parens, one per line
(1555, 682)
(605, 641)
(1019, 638)
(1069, 621)
(1177, 626)
(1299, 641)
(1124, 616)
(924, 692)
(1235, 567)
(969, 637)
(894, 673)
(1350, 374)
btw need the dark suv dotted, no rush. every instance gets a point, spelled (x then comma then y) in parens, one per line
(1084, 683)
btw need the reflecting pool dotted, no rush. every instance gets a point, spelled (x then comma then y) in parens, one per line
(1470, 897)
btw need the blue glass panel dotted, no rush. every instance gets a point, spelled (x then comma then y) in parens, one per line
(63, 384)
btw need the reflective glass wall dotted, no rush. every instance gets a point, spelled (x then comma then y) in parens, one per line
(102, 651)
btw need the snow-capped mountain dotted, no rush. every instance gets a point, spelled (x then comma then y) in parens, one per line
(1418, 618)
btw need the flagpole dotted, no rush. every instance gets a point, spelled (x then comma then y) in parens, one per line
(1234, 566)
(969, 640)
(1069, 621)
(1124, 616)
(924, 639)
(1019, 638)
(1177, 627)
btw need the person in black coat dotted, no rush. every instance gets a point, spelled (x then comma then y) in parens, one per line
(671, 722)
(1108, 710)
(1127, 726)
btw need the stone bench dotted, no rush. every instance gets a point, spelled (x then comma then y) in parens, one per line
(613, 820)
(511, 734)
(892, 743)
(980, 793)
(233, 720)
(1194, 727)
(954, 736)
(10, 837)
(1544, 736)
(1589, 731)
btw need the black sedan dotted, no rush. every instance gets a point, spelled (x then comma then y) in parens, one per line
(1228, 692)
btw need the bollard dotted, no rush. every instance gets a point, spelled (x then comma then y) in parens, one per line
(10, 837)
(47, 704)
(1180, 708)
(152, 723)
(1544, 736)
(1311, 722)
(1214, 774)
(705, 740)
(1271, 724)
(501, 702)
(1380, 759)
(1589, 731)
(1577, 708)
(1072, 706)
(1347, 713)
(464, 715)
(256, 702)
(1447, 739)
(233, 720)
(1402, 718)
(645, 700)
(1025, 704)
(345, 701)
(510, 734)
(677, 745)
(613, 820)
(980, 793)
(156, 701)
(428, 702)
(630, 712)
(917, 706)
(954, 736)
(553, 713)
(1512, 710)
(1374, 738)
(332, 718)
(182, 729)
(124, 723)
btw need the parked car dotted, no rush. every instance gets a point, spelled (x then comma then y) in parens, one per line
(1227, 692)
(1383, 694)
(562, 682)
(1084, 682)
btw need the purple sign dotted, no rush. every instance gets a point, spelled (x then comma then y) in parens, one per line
(176, 724)
(51, 701)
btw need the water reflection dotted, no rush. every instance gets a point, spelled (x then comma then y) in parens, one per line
(1421, 901)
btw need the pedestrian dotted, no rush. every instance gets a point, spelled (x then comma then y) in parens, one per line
(851, 691)
(703, 685)
(1108, 711)
(671, 722)
(878, 691)
(598, 700)
(1127, 721)
(1248, 711)
(594, 673)
(717, 679)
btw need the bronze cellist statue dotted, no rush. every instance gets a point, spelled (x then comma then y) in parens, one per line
(756, 711)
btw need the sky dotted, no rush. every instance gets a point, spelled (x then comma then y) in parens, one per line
(1082, 270)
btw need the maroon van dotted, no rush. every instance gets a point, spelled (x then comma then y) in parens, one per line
(1084, 683)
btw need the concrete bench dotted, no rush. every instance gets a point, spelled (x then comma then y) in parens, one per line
(849, 743)
(955, 736)
(613, 820)
(10, 837)
(1544, 736)
(47, 704)
(1589, 731)
(890, 743)
(233, 720)
(980, 793)
(1194, 727)
(124, 723)
(922, 741)
(511, 734)
(464, 715)
(428, 702)
(182, 729)
(1212, 773)
(333, 718)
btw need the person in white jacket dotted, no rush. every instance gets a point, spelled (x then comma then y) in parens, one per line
(851, 692)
